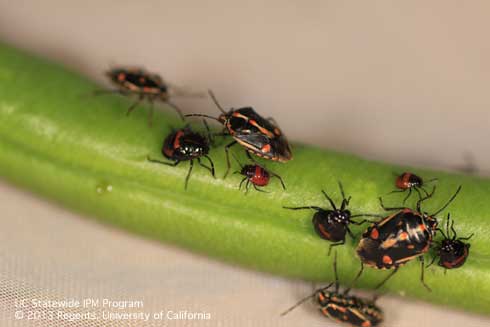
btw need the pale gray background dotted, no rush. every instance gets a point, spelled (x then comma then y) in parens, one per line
(401, 81)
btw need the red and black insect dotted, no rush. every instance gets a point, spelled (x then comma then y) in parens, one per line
(399, 238)
(410, 181)
(186, 145)
(451, 251)
(256, 175)
(342, 307)
(258, 135)
(333, 224)
(143, 84)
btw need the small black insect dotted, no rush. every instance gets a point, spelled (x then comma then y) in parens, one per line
(409, 181)
(143, 84)
(332, 225)
(399, 238)
(342, 307)
(451, 251)
(186, 145)
(258, 135)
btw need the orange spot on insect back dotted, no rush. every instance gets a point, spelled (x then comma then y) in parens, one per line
(121, 77)
(266, 148)
(366, 323)
(403, 236)
(374, 234)
(388, 243)
(422, 227)
(177, 139)
(387, 260)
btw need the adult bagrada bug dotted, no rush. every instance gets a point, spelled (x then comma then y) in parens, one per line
(399, 238)
(258, 135)
(333, 224)
(256, 175)
(451, 251)
(409, 181)
(146, 85)
(343, 307)
(186, 145)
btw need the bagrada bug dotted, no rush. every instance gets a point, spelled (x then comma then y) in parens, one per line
(343, 307)
(258, 135)
(186, 145)
(451, 251)
(256, 175)
(399, 238)
(410, 181)
(146, 85)
(333, 224)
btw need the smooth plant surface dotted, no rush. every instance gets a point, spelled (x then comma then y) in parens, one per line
(84, 152)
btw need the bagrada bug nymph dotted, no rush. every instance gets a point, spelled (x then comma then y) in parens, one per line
(408, 182)
(342, 307)
(256, 175)
(143, 84)
(256, 134)
(399, 238)
(186, 145)
(451, 251)
(333, 224)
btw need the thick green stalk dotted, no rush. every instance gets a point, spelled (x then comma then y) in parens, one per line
(84, 152)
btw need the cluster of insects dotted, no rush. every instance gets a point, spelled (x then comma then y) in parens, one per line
(390, 241)
(257, 135)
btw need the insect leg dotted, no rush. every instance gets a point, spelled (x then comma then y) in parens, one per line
(280, 179)
(335, 244)
(211, 169)
(228, 163)
(243, 180)
(173, 164)
(386, 279)
(258, 189)
(355, 279)
(135, 104)
(177, 109)
(301, 208)
(421, 258)
(386, 208)
(329, 200)
(406, 198)
(191, 164)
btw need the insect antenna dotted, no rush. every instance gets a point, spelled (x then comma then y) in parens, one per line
(305, 299)
(236, 159)
(335, 272)
(211, 94)
(202, 115)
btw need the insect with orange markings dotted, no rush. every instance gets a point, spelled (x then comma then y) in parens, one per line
(186, 145)
(400, 238)
(342, 307)
(258, 135)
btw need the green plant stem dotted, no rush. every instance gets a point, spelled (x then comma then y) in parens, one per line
(84, 152)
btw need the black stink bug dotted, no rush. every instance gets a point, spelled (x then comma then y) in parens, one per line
(451, 251)
(342, 307)
(145, 85)
(409, 181)
(399, 238)
(186, 145)
(333, 224)
(258, 135)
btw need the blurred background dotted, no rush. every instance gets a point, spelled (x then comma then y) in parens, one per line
(402, 82)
